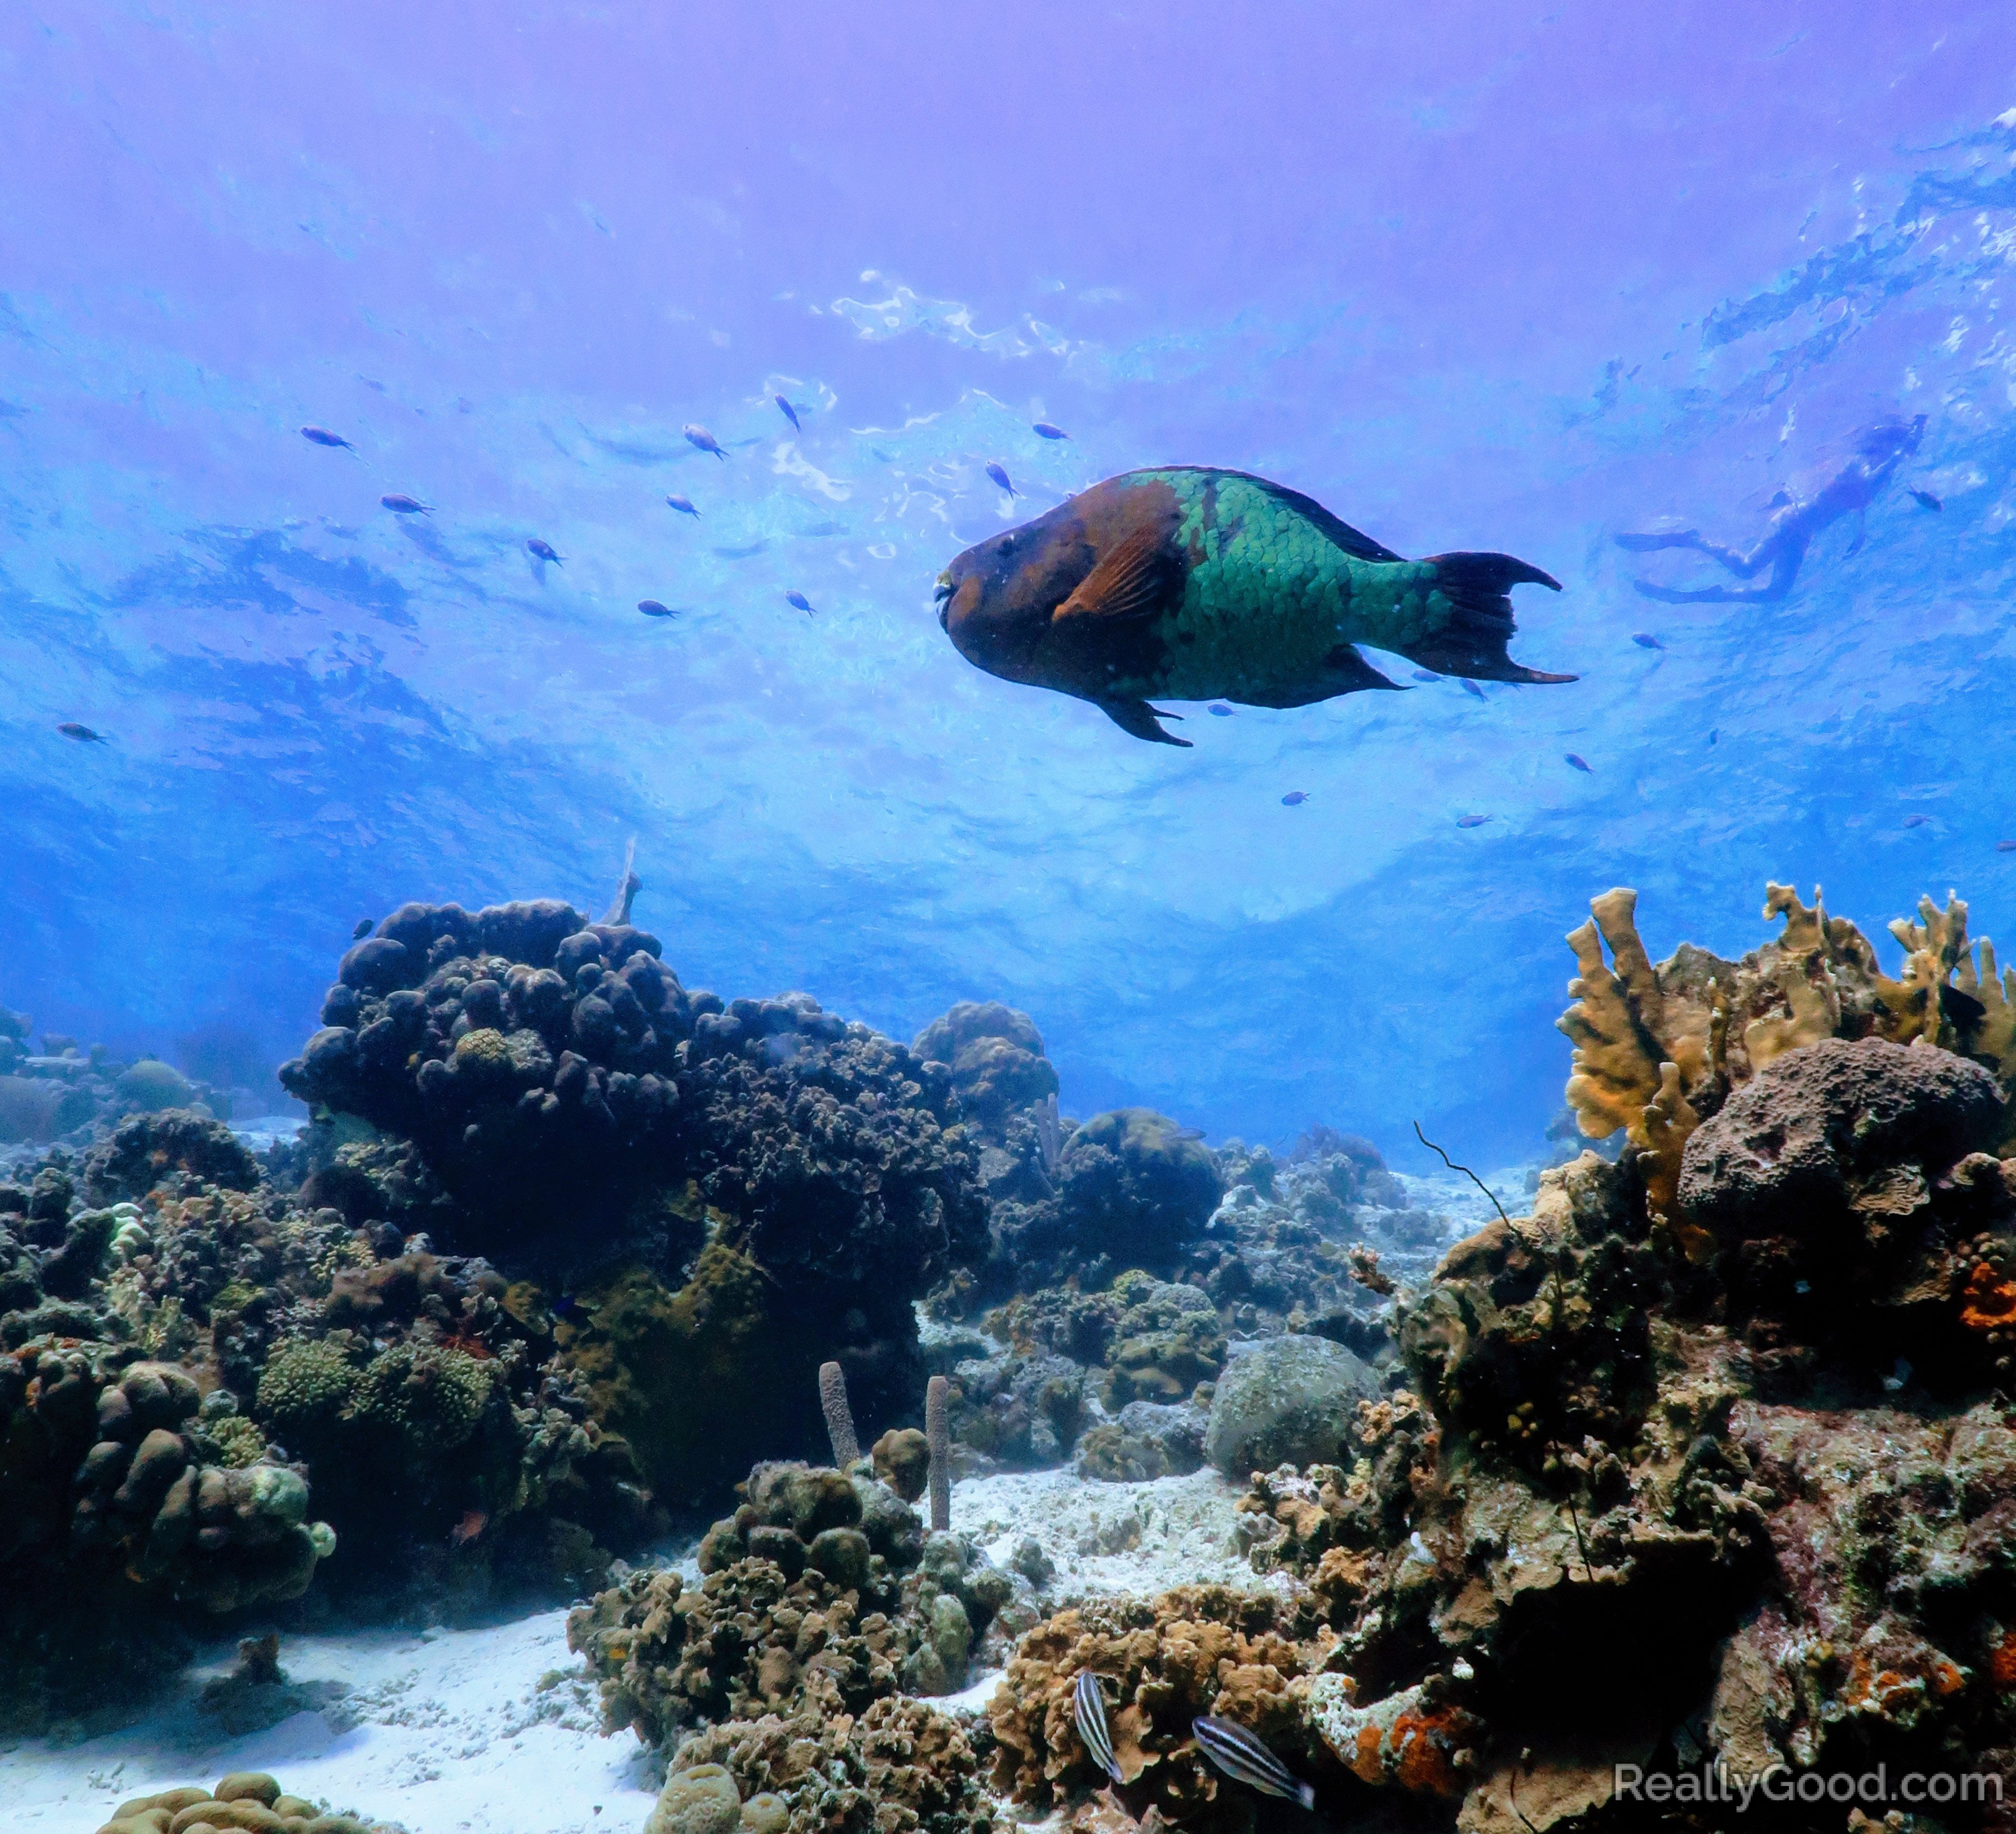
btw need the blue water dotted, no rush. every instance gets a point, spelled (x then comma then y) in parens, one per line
(1475, 275)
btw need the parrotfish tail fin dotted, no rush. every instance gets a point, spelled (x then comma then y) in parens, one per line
(1305, 1794)
(1138, 718)
(1478, 587)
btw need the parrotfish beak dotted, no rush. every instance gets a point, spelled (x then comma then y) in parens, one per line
(941, 598)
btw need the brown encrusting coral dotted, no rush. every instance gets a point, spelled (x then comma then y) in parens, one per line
(1161, 1662)
(900, 1768)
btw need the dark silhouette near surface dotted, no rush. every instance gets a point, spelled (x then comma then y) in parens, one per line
(1879, 450)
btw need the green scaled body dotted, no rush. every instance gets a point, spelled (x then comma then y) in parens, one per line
(1270, 595)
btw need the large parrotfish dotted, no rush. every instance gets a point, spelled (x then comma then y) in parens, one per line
(1196, 584)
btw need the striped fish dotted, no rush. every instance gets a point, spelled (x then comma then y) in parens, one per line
(1088, 1709)
(1245, 1759)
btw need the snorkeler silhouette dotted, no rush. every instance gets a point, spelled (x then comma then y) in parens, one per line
(1879, 450)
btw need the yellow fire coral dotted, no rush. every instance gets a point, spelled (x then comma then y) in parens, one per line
(1658, 1048)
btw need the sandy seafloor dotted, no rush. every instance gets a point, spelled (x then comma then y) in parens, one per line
(495, 1730)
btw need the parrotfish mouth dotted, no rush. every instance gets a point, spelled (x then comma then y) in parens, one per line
(941, 598)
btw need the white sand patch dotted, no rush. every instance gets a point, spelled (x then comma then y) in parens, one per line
(1109, 1537)
(448, 1733)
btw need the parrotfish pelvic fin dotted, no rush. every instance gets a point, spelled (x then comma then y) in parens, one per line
(1139, 718)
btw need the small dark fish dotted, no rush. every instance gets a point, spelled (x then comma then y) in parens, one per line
(1645, 640)
(2006, 847)
(789, 412)
(322, 437)
(651, 607)
(683, 505)
(1185, 1133)
(1426, 675)
(699, 437)
(365, 926)
(1578, 761)
(1219, 708)
(1043, 430)
(566, 1306)
(400, 504)
(1961, 1007)
(1000, 477)
(1715, 736)
(1915, 821)
(1088, 1710)
(799, 599)
(1294, 799)
(84, 734)
(473, 1524)
(1925, 500)
(1245, 1759)
(1471, 821)
(1470, 687)
(543, 549)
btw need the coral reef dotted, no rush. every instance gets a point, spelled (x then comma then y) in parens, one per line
(1289, 1398)
(1658, 1049)
(1129, 1189)
(822, 1594)
(709, 1186)
(246, 1802)
(71, 1093)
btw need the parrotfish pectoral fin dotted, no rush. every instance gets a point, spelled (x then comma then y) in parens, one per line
(1138, 718)
(1131, 581)
(1478, 587)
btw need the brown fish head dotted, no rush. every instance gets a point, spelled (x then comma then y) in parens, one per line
(1069, 601)
(995, 601)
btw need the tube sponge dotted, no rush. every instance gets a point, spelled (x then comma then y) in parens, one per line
(937, 1433)
(838, 1416)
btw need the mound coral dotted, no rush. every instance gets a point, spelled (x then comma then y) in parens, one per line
(821, 1595)
(246, 1802)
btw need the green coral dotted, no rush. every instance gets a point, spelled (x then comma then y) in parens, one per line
(238, 1443)
(306, 1382)
(673, 1372)
(433, 1396)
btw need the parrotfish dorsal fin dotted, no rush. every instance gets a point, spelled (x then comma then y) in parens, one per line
(1130, 581)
